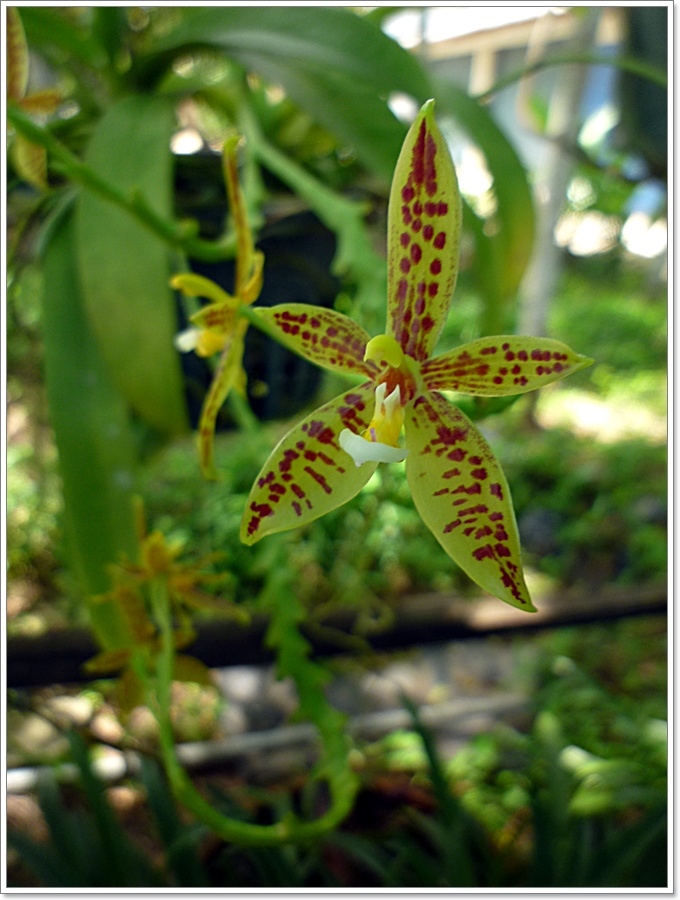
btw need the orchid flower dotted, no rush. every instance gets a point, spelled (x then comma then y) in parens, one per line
(132, 586)
(457, 485)
(218, 327)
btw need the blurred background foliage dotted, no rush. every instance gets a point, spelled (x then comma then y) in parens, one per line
(100, 405)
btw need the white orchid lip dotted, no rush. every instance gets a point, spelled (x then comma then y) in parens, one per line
(363, 451)
(186, 340)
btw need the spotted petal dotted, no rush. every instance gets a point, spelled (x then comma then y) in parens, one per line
(323, 336)
(423, 233)
(219, 317)
(502, 365)
(228, 375)
(308, 474)
(463, 497)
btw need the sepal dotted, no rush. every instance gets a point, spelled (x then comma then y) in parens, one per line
(462, 495)
(502, 365)
(309, 474)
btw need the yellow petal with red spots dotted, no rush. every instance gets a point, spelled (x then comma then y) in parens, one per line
(502, 365)
(463, 497)
(423, 234)
(323, 336)
(228, 375)
(219, 317)
(308, 474)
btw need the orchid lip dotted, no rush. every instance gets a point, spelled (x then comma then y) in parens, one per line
(186, 340)
(363, 451)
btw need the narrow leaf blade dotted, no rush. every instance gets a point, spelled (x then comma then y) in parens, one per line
(504, 260)
(93, 436)
(125, 269)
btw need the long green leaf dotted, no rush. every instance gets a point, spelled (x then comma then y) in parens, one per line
(503, 256)
(327, 39)
(335, 64)
(92, 433)
(53, 33)
(42, 861)
(125, 269)
(349, 109)
(181, 841)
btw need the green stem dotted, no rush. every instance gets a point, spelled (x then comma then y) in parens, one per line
(240, 408)
(626, 63)
(181, 235)
(289, 830)
(343, 216)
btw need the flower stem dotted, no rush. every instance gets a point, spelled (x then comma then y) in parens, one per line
(289, 830)
(182, 235)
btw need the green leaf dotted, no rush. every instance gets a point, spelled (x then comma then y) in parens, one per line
(502, 256)
(125, 269)
(349, 109)
(333, 63)
(43, 862)
(49, 30)
(92, 433)
(181, 841)
(122, 863)
(329, 39)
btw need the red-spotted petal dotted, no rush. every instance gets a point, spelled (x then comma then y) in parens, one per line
(220, 317)
(461, 493)
(502, 365)
(423, 233)
(228, 375)
(323, 336)
(308, 474)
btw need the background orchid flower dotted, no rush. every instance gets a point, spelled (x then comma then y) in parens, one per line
(458, 486)
(218, 327)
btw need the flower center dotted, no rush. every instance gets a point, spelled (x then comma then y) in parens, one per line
(379, 443)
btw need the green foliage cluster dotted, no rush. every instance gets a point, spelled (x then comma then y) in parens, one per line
(604, 688)
(591, 513)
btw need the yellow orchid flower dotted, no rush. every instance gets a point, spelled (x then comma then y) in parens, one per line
(218, 327)
(30, 159)
(457, 485)
(132, 584)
